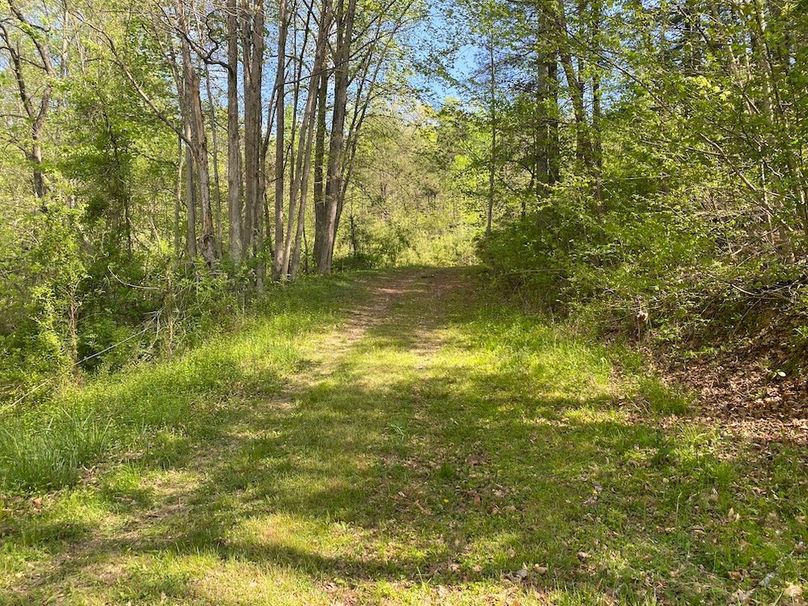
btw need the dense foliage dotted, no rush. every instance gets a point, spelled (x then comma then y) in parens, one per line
(152, 181)
(647, 162)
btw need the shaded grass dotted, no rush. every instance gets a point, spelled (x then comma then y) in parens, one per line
(458, 453)
(153, 408)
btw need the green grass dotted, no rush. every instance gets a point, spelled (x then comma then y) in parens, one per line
(454, 451)
(662, 398)
(154, 408)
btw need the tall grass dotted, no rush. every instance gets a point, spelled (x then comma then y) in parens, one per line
(47, 445)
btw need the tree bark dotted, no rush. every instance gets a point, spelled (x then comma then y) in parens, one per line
(252, 62)
(320, 207)
(492, 110)
(215, 140)
(576, 85)
(234, 208)
(306, 137)
(190, 202)
(195, 119)
(280, 145)
(178, 199)
(333, 186)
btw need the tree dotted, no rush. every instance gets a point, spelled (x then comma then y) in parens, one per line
(36, 112)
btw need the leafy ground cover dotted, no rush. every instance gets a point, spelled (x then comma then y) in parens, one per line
(394, 438)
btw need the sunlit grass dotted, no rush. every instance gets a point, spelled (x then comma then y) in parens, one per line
(455, 452)
(152, 407)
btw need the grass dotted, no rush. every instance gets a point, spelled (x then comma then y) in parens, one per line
(155, 408)
(441, 449)
(662, 398)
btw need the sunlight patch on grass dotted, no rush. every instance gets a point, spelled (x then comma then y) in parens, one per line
(239, 583)
(494, 550)
(586, 414)
(163, 576)
(18, 561)
(663, 399)
(295, 539)
(125, 487)
(65, 517)
(439, 456)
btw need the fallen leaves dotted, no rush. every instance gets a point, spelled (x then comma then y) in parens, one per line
(737, 392)
(526, 572)
(790, 595)
(593, 499)
(742, 597)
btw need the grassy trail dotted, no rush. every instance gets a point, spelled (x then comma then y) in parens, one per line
(428, 447)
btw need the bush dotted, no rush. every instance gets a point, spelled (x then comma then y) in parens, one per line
(643, 266)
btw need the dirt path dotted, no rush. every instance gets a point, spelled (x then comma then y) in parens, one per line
(432, 447)
(176, 493)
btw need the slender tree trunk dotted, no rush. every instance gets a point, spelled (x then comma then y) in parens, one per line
(252, 39)
(554, 141)
(215, 141)
(36, 160)
(576, 86)
(234, 210)
(190, 201)
(542, 118)
(208, 239)
(307, 134)
(283, 252)
(597, 111)
(333, 187)
(280, 144)
(320, 207)
(178, 199)
(259, 201)
(492, 109)
(194, 116)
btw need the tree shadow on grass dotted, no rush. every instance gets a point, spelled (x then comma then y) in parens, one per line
(336, 492)
(445, 470)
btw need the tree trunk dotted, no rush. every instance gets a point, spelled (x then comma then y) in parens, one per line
(492, 109)
(597, 112)
(252, 62)
(215, 141)
(190, 201)
(178, 199)
(554, 141)
(333, 186)
(320, 207)
(576, 86)
(194, 117)
(234, 209)
(306, 135)
(280, 145)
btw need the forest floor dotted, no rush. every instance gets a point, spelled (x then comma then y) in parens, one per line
(420, 443)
